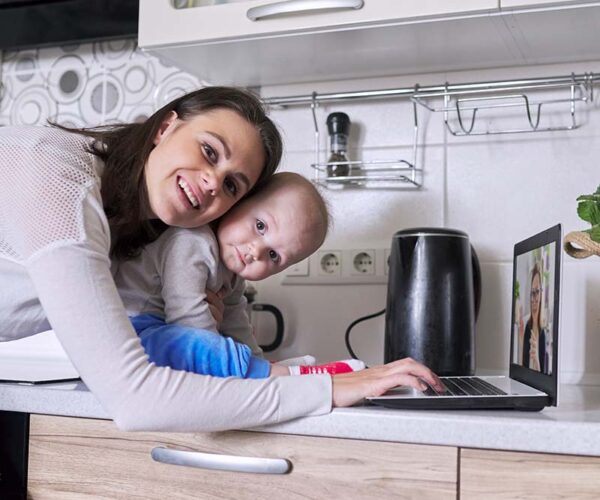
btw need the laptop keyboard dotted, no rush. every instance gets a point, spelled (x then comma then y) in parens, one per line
(465, 386)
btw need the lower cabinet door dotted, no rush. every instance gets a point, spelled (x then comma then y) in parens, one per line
(507, 475)
(75, 458)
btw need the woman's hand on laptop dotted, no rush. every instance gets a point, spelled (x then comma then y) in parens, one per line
(350, 388)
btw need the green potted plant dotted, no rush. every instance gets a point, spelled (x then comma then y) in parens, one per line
(582, 244)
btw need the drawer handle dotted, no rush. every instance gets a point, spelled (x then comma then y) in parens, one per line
(221, 462)
(299, 6)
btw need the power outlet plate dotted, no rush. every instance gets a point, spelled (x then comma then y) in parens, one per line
(301, 268)
(359, 266)
(329, 263)
(362, 263)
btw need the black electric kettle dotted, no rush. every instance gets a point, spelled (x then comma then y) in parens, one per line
(433, 298)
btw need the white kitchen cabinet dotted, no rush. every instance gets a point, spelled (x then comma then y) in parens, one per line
(545, 31)
(221, 44)
(163, 24)
(512, 4)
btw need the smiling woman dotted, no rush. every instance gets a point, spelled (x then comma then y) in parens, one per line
(69, 199)
(199, 168)
(217, 141)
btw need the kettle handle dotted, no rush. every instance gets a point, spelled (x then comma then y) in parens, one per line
(476, 281)
(279, 325)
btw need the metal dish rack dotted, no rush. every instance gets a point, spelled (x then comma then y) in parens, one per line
(461, 107)
(459, 100)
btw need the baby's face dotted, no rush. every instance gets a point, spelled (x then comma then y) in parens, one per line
(265, 234)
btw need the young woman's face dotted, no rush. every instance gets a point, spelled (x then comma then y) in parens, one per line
(200, 167)
(536, 295)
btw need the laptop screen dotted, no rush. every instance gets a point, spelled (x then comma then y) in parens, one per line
(534, 326)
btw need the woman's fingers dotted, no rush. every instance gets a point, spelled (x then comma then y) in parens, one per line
(350, 388)
(411, 367)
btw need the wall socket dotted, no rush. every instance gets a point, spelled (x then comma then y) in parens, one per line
(329, 263)
(363, 263)
(366, 265)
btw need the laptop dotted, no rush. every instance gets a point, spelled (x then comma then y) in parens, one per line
(532, 383)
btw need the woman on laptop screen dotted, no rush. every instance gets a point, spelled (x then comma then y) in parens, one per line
(534, 346)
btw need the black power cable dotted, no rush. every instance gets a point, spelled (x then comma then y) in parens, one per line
(352, 325)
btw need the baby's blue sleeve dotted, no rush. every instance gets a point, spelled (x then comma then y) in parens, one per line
(197, 351)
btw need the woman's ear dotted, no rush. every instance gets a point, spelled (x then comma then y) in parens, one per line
(166, 126)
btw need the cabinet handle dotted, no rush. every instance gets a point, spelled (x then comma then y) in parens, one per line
(221, 462)
(299, 6)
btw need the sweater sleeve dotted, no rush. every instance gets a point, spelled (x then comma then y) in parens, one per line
(78, 294)
(187, 260)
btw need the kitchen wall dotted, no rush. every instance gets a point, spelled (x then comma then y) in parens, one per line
(87, 84)
(499, 189)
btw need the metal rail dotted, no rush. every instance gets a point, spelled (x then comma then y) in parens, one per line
(438, 90)
(460, 106)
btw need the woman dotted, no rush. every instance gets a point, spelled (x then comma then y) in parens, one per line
(63, 192)
(534, 337)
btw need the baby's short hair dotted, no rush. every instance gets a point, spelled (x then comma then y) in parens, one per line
(321, 219)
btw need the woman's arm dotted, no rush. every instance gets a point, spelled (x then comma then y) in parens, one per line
(79, 296)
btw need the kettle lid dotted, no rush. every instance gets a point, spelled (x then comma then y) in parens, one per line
(430, 231)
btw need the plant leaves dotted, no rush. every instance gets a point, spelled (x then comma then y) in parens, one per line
(595, 233)
(589, 211)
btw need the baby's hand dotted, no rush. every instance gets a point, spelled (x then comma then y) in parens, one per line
(216, 305)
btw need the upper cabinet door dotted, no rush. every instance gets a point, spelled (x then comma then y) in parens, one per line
(546, 31)
(166, 22)
(266, 42)
(511, 4)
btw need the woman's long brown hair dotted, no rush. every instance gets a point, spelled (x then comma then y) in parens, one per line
(536, 272)
(125, 148)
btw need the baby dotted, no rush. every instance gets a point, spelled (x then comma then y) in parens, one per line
(164, 289)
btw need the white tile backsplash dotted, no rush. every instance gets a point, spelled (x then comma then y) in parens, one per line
(499, 189)
(580, 323)
(492, 341)
(500, 192)
(317, 317)
(367, 215)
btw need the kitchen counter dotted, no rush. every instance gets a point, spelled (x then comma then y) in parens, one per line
(571, 428)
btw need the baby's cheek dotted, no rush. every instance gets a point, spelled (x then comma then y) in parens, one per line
(261, 273)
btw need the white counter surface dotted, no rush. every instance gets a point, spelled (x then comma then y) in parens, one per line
(572, 428)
